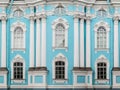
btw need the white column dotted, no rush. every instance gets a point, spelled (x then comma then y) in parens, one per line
(116, 47)
(82, 43)
(76, 47)
(38, 49)
(3, 44)
(88, 40)
(43, 47)
(31, 54)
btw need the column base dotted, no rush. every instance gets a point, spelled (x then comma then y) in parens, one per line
(37, 76)
(116, 77)
(82, 77)
(3, 77)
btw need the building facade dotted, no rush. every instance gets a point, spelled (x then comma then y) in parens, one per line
(59, 44)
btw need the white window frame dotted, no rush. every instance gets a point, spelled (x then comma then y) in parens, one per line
(13, 28)
(107, 28)
(102, 59)
(17, 58)
(60, 57)
(66, 25)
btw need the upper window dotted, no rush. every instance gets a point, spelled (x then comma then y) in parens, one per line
(59, 70)
(18, 70)
(18, 38)
(59, 10)
(102, 71)
(101, 37)
(18, 13)
(60, 36)
(101, 13)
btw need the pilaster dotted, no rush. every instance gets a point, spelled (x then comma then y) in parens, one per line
(82, 43)
(31, 54)
(76, 47)
(38, 48)
(116, 47)
(43, 44)
(3, 44)
(88, 42)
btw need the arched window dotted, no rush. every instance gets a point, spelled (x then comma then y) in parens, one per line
(18, 38)
(59, 70)
(59, 10)
(101, 37)
(18, 70)
(60, 36)
(101, 70)
(18, 13)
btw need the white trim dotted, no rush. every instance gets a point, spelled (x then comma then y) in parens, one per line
(107, 28)
(13, 27)
(60, 57)
(17, 58)
(102, 58)
(66, 25)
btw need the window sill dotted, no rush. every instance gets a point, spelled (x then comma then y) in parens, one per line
(18, 80)
(62, 48)
(102, 80)
(60, 80)
(18, 49)
(102, 49)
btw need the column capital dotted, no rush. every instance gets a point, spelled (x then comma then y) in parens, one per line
(88, 18)
(31, 17)
(116, 18)
(3, 18)
(43, 16)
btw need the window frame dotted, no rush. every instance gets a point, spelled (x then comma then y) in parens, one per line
(102, 59)
(13, 28)
(20, 59)
(62, 58)
(66, 26)
(107, 28)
